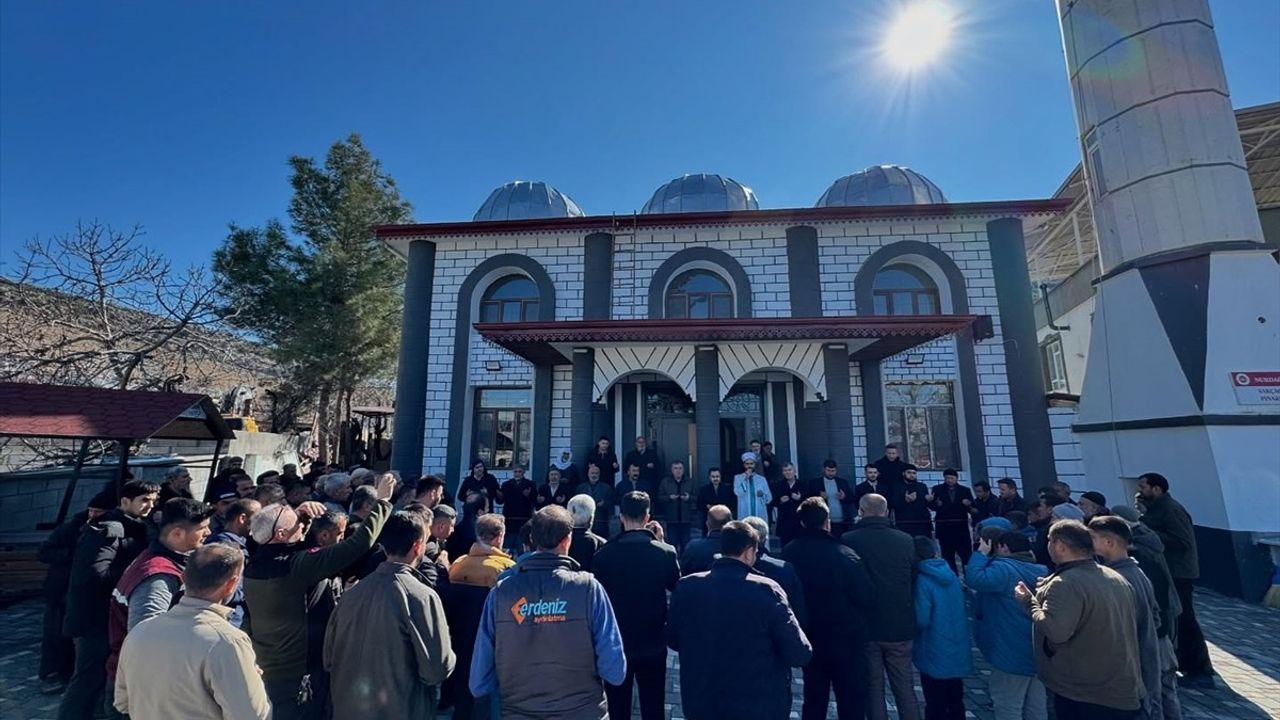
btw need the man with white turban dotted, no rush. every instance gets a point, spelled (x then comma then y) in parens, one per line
(751, 489)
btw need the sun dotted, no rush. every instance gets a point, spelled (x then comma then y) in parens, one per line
(918, 35)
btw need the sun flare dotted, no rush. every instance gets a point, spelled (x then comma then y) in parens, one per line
(919, 34)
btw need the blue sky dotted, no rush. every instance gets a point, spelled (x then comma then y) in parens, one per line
(180, 116)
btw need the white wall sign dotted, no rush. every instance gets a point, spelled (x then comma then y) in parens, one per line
(1257, 388)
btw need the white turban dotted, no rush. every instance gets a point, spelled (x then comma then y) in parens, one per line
(748, 456)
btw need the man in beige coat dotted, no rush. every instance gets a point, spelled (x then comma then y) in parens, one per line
(1085, 631)
(387, 646)
(190, 662)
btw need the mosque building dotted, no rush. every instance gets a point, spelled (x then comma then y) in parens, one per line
(882, 314)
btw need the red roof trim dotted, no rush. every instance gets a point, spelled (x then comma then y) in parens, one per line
(62, 411)
(749, 217)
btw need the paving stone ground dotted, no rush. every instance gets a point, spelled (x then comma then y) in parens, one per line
(1244, 644)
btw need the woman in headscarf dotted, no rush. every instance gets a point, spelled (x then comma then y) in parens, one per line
(569, 474)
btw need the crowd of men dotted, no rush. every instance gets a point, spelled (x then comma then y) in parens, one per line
(345, 594)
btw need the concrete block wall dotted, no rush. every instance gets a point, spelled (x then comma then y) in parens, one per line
(843, 248)
(561, 409)
(1067, 457)
(559, 255)
(762, 252)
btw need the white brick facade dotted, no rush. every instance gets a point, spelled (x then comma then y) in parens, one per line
(761, 251)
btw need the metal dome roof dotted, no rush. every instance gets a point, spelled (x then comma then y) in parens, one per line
(525, 199)
(882, 185)
(701, 193)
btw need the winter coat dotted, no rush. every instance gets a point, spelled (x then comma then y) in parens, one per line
(700, 553)
(649, 464)
(950, 512)
(1002, 627)
(1173, 524)
(676, 511)
(637, 570)
(711, 495)
(889, 556)
(391, 627)
(738, 641)
(912, 516)
(1147, 549)
(57, 551)
(942, 649)
(786, 502)
(104, 549)
(584, 546)
(783, 573)
(1086, 645)
(837, 589)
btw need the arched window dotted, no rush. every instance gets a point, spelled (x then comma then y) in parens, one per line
(699, 294)
(513, 298)
(905, 290)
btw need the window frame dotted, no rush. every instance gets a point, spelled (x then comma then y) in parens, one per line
(528, 307)
(1051, 348)
(938, 417)
(521, 430)
(929, 290)
(687, 298)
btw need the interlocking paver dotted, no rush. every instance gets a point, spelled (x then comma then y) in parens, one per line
(1244, 643)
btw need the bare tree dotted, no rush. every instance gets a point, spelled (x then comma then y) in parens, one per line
(97, 307)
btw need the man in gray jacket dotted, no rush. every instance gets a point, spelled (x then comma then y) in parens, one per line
(387, 646)
(1111, 540)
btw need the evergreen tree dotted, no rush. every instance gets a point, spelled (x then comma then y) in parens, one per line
(327, 299)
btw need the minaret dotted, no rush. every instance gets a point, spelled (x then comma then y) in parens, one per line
(1189, 297)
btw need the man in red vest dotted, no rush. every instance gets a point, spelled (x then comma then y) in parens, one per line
(153, 581)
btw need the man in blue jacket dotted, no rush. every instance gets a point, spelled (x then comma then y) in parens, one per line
(1003, 627)
(736, 636)
(548, 614)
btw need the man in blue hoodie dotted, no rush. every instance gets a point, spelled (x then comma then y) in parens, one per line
(1003, 627)
(941, 650)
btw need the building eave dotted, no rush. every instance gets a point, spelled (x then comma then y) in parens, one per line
(547, 342)
(780, 216)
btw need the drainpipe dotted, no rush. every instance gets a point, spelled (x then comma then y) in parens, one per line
(1048, 313)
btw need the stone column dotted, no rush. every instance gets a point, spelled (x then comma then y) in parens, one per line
(1021, 351)
(581, 405)
(835, 360)
(706, 413)
(411, 378)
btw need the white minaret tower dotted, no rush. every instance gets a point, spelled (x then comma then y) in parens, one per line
(1189, 297)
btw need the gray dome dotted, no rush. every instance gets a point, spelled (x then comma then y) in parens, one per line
(701, 193)
(882, 185)
(524, 199)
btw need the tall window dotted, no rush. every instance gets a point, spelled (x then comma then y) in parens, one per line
(922, 422)
(514, 298)
(502, 427)
(904, 290)
(1054, 363)
(699, 294)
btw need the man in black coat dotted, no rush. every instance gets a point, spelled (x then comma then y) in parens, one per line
(1009, 500)
(701, 552)
(951, 503)
(517, 496)
(585, 543)
(985, 505)
(637, 570)
(889, 556)
(57, 654)
(103, 552)
(911, 512)
(891, 468)
(646, 458)
(872, 484)
(777, 569)
(715, 492)
(736, 636)
(787, 495)
(838, 594)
